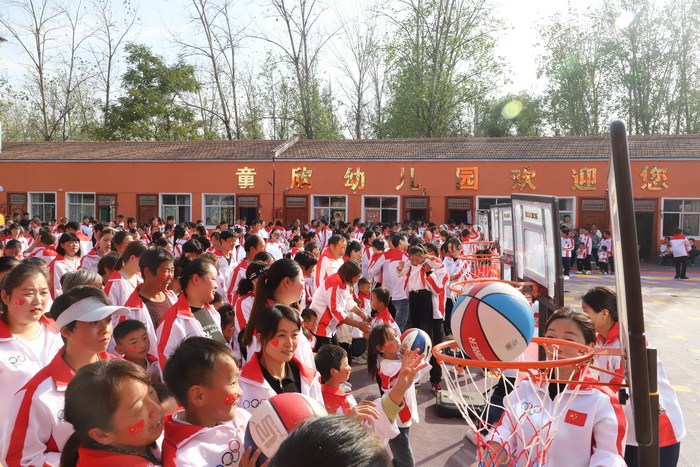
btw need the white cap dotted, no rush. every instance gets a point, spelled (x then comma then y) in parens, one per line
(88, 310)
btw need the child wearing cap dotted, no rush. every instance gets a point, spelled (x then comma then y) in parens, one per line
(38, 430)
(133, 342)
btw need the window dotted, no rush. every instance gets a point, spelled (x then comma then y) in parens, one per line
(566, 208)
(106, 207)
(683, 213)
(80, 205)
(177, 206)
(486, 203)
(43, 205)
(381, 209)
(219, 208)
(331, 208)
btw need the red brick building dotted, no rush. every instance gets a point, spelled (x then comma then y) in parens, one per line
(378, 180)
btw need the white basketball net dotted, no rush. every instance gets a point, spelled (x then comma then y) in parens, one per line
(527, 427)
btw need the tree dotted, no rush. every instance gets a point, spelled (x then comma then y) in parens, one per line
(512, 115)
(152, 106)
(441, 62)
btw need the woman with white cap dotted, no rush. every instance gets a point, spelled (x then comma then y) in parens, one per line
(83, 317)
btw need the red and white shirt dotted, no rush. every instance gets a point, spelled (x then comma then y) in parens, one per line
(92, 457)
(322, 237)
(57, 268)
(567, 246)
(226, 268)
(38, 429)
(118, 288)
(325, 267)
(238, 274)
(85, 243)
(331, 303)
(46, 253)
(386, 267)
(186, 445)
(90, 260)
(384, 318)
(416, 278)
(388, 374)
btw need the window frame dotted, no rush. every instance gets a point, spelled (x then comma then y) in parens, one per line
(574, 204)
(162, 205)
(663, 212)
(204, 208)
(312, 206)
(398, 206)
(55, 204)
(68, 204)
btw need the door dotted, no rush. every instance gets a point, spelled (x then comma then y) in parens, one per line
(593, 211)
(248, 208)
(147, 207)
(459, 210)
(645, 235)
(295, 207)
(415, 208)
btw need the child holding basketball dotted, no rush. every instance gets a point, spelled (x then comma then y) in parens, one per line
(381, 297)
(600, 303)
(384, 363)
(203, 375)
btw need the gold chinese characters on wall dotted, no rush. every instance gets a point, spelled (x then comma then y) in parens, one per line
(467, 178)
(301, 178)
(523, 178)
(654, 178)
(585, 179)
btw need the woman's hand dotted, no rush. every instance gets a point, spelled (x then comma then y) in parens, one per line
(250, 458)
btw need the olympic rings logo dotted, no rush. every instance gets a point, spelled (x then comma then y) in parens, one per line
(252, 404)
(59, 415)
(17, 361)
(233, 455)
(530, 409)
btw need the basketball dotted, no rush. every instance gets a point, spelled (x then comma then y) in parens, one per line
(275, 418)
(493, 321)
(415, 338)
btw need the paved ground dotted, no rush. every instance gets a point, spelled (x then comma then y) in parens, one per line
(672, 314)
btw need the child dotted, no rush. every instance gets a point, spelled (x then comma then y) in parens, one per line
(384, 363)
(359, 340)
(308, 324)
(603, 259)
(307, 262)
(13, 249)
(581, 256)
(68, 259)
(125, 277)
(132, 341)
(228, 322)
(332, 363)
(567, 246)
(381, 297)
(203, 375)
(217, 302)
(116, 415)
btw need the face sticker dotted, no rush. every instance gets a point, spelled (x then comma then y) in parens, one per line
(230, 399)
(274, 342)
(19, 302)
(136, 428)
(390, 346)
(163, 276)
(132, 348)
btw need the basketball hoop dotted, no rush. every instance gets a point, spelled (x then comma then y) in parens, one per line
(533, 423)
(471, 248)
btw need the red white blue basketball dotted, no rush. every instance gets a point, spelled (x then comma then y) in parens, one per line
(415, 338)
(493, 321)
(275, 418)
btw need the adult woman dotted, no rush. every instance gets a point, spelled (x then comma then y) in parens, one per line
(68, 259)
(275, 369)
(104, 246)
(600, 303)
(246, 298)
(125, 276)
(589, 433)
(333, 302)
(283, 284)
(38, 431)
(28, 339)
(116, 416)
(191, 315)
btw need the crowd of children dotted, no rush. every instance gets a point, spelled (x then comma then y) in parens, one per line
(590, 247)
(106, 324)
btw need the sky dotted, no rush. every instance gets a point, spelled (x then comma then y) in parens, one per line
(516, 44)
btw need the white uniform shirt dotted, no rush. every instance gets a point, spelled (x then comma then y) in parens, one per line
(187, 445)
(388, 373)
(331, 303)
(21, 359)
(57, 269)
(89, 261)
(223, 279)
(590, 433)
(386, 267)
(119, 288)
(325, 267)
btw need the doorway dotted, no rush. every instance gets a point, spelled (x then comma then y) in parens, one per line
(248, 208)
(415, 208)
(645, 235)
(147, 207)
(295, 207)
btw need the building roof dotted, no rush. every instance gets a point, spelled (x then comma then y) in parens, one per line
(655, 147)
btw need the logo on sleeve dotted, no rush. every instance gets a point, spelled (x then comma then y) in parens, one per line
(575, 418)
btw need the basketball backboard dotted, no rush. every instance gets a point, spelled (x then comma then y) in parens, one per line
(627, 280)
(537, 246)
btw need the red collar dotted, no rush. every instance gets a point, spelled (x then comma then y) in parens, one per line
(252, 371)
(679, 236)
(6, 334)
(384, 316)
(176, 433)
(182, 306)
(134, 300)
(613, 334)
(104, 458)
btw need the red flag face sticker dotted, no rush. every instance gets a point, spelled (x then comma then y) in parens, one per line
(575, 418)
(274, 342)
(136, 428)
(163, 276)
(230, 399)
(132, 348)
(19, 302)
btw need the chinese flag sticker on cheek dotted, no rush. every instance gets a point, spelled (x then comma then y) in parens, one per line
(274, 342)
(19, 302)
(163, 276)
(230, 399)
(575, 418)
(132, 348)
(136, 428)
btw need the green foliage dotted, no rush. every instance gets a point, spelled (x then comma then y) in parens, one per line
(151, 107)
(497, 121)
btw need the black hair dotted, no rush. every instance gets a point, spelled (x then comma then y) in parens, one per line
(396, 238)
(311, 246)
(252, 242)
(193, 363)
(602, 298)
(329, 358)
(134, 248)
(125, 327)
(12, 244)
(227, 314)
(197, 267)
(333, 440)
(73, 225)
(72, 296)
(217, 298)
(269, 319)
(263, 257)
(352, 246)
(367, 235)
(162, 391)
(152, 258)
(377, 338)
(378, 244)
(7, 263)
(119, 237)
(67, 237)
(18, 273)
(46, 237)
(307, 314)
(383, 295)
(108, 261)
(416, 250)
(226, 234)
(264, 291)
(363, 281)
(192, 246)
(335, 239)
(305, 259)
(349, 270)
(581, 319)
(253, 271)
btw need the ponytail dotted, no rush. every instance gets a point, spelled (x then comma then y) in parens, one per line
(134, 248)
